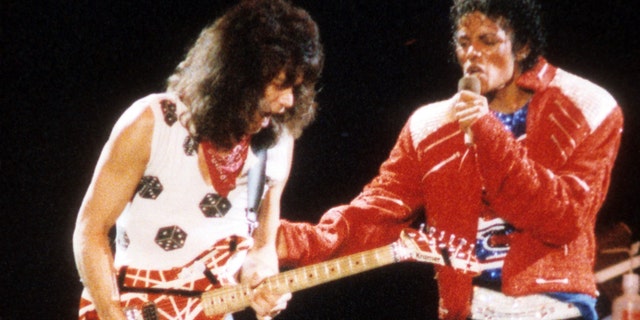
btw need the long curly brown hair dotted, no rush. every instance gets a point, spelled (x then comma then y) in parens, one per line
(226, 71)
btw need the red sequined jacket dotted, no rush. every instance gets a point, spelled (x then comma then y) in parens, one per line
(549, 184)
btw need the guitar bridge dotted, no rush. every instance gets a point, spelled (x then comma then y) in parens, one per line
(147, 312)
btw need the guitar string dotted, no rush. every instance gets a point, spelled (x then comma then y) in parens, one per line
(290, 277)
(238, 295)
(230, 296)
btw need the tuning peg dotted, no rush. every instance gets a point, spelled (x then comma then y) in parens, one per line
(461, 243)
(452, 237)
(471, 252)
(471, 256)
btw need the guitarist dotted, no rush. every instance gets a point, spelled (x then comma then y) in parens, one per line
(521, 161)
(172, 177)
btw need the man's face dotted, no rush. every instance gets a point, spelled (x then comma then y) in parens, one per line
(276, 99)
(484, 49)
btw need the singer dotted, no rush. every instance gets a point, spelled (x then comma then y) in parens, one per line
(173, 176)
(518, 160)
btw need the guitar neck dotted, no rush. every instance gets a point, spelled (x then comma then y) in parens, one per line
(236, 298)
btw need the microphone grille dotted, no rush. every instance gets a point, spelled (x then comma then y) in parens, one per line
(469, 83)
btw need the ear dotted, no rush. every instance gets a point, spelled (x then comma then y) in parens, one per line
(523, 52)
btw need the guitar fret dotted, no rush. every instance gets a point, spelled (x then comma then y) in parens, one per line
(228, 299)
(334, 269)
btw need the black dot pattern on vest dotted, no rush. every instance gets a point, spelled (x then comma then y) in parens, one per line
(169, 111)
(149, 187)
(123, 240)
(190, 146)
(171, 238)
(214, 205)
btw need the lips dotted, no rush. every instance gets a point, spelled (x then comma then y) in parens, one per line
(473, 69)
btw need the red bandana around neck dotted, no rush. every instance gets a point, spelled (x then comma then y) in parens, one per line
(224, 169)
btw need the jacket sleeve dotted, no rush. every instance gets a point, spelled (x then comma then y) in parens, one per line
(373, 219)
(553, 202)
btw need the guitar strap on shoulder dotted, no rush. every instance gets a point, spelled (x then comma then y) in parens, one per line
(255, 187)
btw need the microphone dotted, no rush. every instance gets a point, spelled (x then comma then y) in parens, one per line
(469, 83)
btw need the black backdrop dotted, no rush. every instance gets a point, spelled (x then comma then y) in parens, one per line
(70, 69)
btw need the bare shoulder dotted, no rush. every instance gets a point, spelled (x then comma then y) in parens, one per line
(138, 118)
(120, 167)
(130, 139)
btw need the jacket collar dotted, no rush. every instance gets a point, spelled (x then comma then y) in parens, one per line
(538, 77)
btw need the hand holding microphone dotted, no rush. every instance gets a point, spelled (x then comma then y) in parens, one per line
(470, 105)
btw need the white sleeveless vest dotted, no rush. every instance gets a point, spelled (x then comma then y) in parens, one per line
(174, 215)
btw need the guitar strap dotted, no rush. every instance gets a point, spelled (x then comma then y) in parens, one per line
(255, 187)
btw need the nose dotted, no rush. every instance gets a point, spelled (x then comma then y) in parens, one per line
(472, 52)
(285, 100)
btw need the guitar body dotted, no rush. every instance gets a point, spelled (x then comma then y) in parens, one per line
(147, 294)
(145, 307)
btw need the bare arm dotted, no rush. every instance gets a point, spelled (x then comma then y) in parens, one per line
(119, 169)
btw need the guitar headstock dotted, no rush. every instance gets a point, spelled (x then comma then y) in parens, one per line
(437, 248)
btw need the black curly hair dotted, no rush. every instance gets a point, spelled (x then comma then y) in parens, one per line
(227, 70)
(522, 17)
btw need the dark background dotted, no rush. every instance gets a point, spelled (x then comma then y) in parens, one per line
(70, 69)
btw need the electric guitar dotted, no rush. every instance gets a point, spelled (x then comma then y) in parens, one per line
(206, 288)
